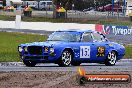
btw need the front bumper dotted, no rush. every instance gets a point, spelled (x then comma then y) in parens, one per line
(38, 58)
(37, 53)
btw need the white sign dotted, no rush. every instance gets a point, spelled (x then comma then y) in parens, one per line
(84, 51)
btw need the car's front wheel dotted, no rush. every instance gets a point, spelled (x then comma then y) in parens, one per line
(65, 59)
(29, 63)
(111, 59)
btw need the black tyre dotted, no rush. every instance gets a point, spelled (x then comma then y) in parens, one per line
(65, 59)
(29, 63)
(111, 59)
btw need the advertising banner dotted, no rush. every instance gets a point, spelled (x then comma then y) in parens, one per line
(115, 30)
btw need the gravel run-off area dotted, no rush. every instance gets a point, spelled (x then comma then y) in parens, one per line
(54, 80)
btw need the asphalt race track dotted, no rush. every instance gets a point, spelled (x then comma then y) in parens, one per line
(43, 32)
(123, 65)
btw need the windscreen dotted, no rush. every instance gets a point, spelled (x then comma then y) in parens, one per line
(65, 36)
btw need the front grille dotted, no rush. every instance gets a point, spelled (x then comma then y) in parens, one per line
(35, 50)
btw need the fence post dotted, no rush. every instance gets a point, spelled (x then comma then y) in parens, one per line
(18, 22)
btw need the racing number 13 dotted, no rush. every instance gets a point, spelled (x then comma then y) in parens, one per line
(84, 51)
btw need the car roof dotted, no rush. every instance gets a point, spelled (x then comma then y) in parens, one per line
(76, 30)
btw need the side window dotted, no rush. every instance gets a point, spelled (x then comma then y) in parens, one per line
(98, 37)
(43, 3)
(103, 38)
(49, 3)
(86, 37)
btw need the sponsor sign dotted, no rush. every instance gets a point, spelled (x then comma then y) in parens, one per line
(102, 78)
(116, 30)
(84, 51)
(100, 51)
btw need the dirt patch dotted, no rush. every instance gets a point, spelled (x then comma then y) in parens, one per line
(27, 79)
(52, 80)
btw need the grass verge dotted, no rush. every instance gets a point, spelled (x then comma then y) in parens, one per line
(69, 20)
(128, 51)
(10, 41)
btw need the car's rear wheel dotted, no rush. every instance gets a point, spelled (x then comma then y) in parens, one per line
(111, 59)
(29, 63)
(65, 59)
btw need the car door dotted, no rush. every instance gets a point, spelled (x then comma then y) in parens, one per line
(86, 48)
(100, 47)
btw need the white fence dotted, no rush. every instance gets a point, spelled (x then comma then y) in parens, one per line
(47, 26)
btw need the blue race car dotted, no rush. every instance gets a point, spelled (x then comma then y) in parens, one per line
(72, 47)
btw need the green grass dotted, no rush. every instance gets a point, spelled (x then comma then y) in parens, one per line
(128, 51)
(86, 21)
(10, 41)
(7, 18)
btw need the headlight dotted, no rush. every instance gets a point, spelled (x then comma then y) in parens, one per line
(25, 49)
(20, 49)
(46, 49)
(52, 50)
